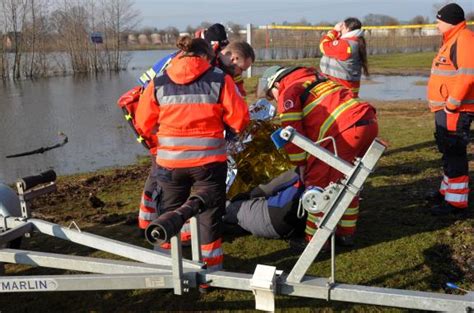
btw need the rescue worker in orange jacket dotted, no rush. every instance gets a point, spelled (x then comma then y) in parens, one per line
(234, 58)
(345, 54)
(318, 108)
(187, 107)
(451, 98)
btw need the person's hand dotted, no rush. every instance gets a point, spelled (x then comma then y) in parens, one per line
(338, 26)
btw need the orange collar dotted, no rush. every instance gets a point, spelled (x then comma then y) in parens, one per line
(454, 31)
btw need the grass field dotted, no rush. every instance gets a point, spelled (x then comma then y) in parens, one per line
(399, 244)
(398, 63)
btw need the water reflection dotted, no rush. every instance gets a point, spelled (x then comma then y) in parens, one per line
(394, 88)
(33, 112)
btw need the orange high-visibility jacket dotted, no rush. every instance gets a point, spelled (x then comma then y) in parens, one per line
(328, 110)
(186, 107)
(451, 84)
(341, 60)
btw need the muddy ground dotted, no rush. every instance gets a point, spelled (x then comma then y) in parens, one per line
(85, 191)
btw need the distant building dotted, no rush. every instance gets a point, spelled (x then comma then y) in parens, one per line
(143, 39)
(132, 39)
(156, 39)
(379, 32)
(425, 31)
(9, 39)
(7, 42)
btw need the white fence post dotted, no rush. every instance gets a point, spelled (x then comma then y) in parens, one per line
(249, 40)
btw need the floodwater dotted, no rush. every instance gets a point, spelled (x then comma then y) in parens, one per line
(84, 108)
(388, 88)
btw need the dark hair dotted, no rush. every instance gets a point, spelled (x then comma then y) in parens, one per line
(216, 32)
(243, 48)
(195, 47)
(353, 23)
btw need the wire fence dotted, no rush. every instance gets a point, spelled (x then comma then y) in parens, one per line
(296, 42)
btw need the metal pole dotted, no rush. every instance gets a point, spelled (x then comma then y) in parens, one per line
(195, 239)
(249, 41)
(108, 245)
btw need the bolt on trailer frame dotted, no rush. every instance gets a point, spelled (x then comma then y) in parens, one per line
(155, 270)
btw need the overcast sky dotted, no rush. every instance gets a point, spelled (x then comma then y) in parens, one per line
(180, 13)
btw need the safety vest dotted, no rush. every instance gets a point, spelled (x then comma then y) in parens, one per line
(184, 108)
(349, 70)
(452, 72)
(328, 110)
(334, 108)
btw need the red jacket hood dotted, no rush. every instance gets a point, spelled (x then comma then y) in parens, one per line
(299, 74)
(183, 70)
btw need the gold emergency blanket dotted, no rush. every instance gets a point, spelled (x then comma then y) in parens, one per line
(260, 161)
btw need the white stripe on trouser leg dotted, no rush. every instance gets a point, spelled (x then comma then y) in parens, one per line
(455, 198)
(458, 186)
(215, 253)
(147, 216)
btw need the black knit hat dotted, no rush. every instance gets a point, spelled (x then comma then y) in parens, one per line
(451, 13)
(216, 32)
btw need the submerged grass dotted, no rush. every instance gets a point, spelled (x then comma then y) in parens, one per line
(399, 244)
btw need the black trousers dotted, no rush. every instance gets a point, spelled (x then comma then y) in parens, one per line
(208, 181)
(453, 145)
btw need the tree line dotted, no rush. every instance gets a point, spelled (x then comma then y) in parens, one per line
(86, 36)
(378, 20)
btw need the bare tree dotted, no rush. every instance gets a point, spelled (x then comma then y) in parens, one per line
(304, 22)
(419, 19)
(118, 16)
(14, 15)
(172, 33)
(380, 20)
(470, 16)
(35, 36)
(3, 46)
(234, 30)
(71, 28)
(190, 30)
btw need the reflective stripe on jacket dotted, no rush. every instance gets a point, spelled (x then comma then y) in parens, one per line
(341, 60)
(187, 106)
(451, 83)
(329, 109)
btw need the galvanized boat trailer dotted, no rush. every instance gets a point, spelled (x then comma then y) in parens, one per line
(155, 270)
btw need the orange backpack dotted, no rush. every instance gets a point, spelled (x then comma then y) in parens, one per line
(128, 102)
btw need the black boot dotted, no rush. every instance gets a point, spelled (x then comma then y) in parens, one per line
(298, 245)
(345, 240)
(434, 197)
(443, 209)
